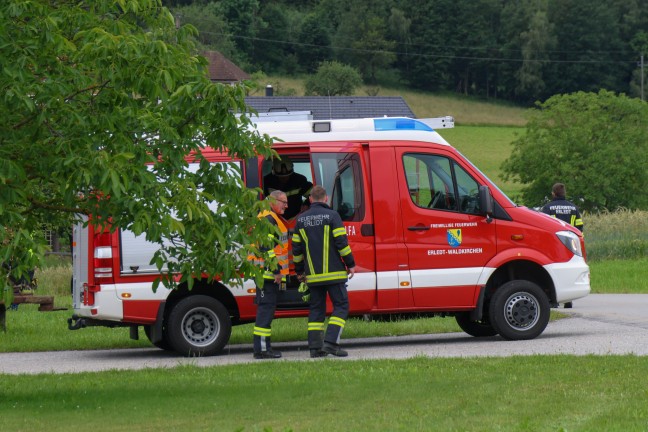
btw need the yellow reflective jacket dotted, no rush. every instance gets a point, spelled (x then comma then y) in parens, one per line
(280, 251)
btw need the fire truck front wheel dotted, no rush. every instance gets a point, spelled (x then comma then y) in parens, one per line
(198, 325)
(519, 310)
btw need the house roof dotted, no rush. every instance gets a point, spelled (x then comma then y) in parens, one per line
(334, 107)
(222, 70)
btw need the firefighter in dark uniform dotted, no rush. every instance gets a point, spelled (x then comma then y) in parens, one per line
(562, 209)
(266, 296)
(324, 260)
(296, 186)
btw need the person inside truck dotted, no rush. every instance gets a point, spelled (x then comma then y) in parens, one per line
(284, 178)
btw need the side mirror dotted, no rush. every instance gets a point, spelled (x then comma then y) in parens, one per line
(486, 202)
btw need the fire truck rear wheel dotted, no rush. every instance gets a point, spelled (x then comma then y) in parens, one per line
(163, 344)
(198, 326)
(519, 310)
(481, 328)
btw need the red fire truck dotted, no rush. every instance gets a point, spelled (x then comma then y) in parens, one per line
(429, 231)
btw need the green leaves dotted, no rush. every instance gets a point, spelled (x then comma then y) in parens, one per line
(333, 78)
(595, 143)
(108, 101)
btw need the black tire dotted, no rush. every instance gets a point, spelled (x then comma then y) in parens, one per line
(198, 326)
(163, 344)
(481, 328)
(519, 310)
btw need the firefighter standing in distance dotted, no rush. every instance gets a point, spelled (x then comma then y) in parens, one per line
(323, 258)
(266, 296)
(562, 209)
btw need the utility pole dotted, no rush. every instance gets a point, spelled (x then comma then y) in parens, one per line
(642, 78)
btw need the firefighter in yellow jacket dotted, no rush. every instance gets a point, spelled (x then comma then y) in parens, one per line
(266, 296)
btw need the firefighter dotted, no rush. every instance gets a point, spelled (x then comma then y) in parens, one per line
(562, 209)
(296, 186)
(324, 260)
(266, 296)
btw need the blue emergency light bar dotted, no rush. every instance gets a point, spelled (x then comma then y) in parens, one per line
(394, 124)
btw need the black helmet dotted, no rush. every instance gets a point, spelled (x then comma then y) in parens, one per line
(282, 167)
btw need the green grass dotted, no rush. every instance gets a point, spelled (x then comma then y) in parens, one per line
(535, 393)
(619, 235)
(486, 147)
(465, 110)
(30, 330)
(619, 276)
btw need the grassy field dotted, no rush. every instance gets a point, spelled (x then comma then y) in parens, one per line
(486, 147)
(535, 393)
(465, 110)
(616, 236)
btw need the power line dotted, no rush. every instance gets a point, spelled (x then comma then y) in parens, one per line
(418, 45)
(412, 54)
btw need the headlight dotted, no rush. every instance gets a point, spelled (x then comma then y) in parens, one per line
(571, 242)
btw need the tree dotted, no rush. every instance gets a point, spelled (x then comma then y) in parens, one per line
(595, 143)
(272, 47)
(591, 54)
(398, 29)
(333, 79)
(242, 18)
(314, 44)
(537, 41)
(213, 31)
(373, 52)
(638, 84)
(361, 40)
(93, 93)
(432, 44)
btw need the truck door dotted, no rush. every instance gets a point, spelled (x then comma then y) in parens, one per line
(448, 241)
(340, 171)
(295, 182)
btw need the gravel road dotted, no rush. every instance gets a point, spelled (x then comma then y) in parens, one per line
(600, 324)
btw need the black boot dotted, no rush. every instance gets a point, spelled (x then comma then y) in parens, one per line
(317, 353)
(267, 355)
(264, 351)
(334, 350)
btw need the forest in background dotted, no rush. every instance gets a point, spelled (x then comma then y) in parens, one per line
(519, 51)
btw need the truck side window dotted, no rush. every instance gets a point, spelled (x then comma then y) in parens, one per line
(467, 191)
(341, 175)
(436, 182)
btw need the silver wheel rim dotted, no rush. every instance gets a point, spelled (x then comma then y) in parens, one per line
(522, 311)
(200, 326)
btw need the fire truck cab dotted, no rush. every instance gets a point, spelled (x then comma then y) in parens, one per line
(430, 233)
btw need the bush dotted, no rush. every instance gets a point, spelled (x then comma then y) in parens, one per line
(594, 143)
(333, 79)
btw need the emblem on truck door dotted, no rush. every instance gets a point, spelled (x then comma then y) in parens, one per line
(454, 237)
